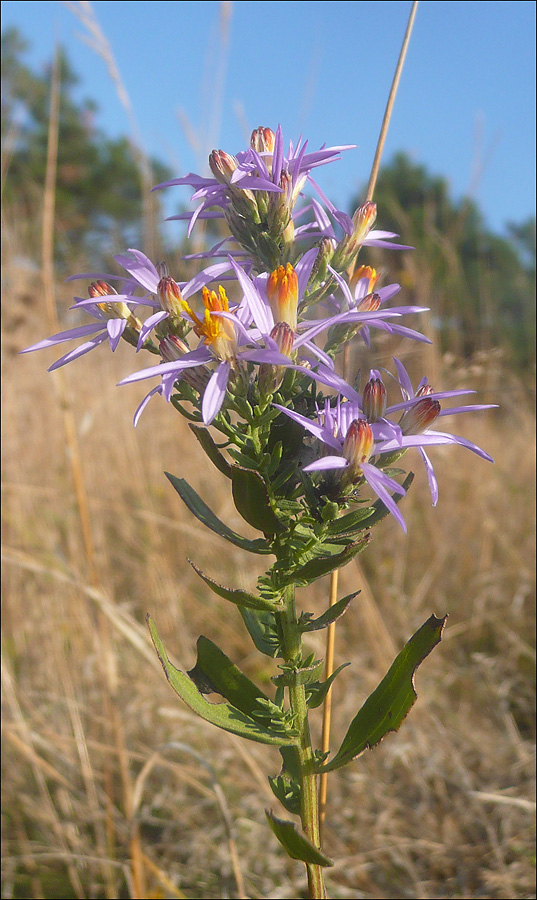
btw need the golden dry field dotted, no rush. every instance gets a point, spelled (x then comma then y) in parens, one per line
(112, 788)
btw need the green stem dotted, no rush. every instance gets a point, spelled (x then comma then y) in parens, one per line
(292, 650)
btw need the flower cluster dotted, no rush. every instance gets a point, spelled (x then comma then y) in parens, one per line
(252, 341)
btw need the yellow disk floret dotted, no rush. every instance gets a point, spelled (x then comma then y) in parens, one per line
(217, 331)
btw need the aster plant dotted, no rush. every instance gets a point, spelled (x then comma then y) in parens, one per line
(248, 354)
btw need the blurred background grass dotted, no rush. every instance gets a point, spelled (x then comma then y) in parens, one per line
(111, 788)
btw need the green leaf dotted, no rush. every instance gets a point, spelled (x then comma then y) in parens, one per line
(322, 565)
(252, 500)
(236, 595)
(223, 715)
(350, 522)
(226, 678)
(202, 512)
(295, 842)
(212, 451)
(262, 629)
(316, 693)
(286, 785)
(332, 613)
(387, 706)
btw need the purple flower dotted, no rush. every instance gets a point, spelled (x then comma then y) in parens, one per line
(262, 312)
(254, 169)
(345, 429)
(111, 310)
(420, 410)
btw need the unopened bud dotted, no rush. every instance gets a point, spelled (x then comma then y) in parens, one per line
(222, 165)
(374, 399)
(424, 390)
(282, 292)
(262, 140)
(111, 310)
(100, 289)
(369, 303)
(363, 220)
(172, 347)
(270, 377)
(171, 299)
(357, 446)
(420, 416)
(365, 272)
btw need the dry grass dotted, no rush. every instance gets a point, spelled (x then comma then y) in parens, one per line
(112, 787)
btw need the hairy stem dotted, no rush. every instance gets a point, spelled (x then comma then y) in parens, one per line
(292, 650)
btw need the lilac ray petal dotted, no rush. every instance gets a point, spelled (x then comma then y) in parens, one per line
(387, 292)
(214, 393)
(404, 379)
(435, 395)
(193, 219)
(232, 317)
(327, 462)
(393, 328)
(314, 428)
(320, 354)
(62, 336)
(462, 409)
(128, 299)
(431, 477)
(321, 216)
(260, 311)
(141, 268)
(79, 351)
(257, 183)
(277, 156)
(145, 401)
(115, 328)
(96, 276)
(368, 242)
(329, 378)
(204, 277)
(347, 316)
(344, 287)
(304, 267)
(456, 439)
(149, 324)
(192, 179)
(195, 358)
(382, 484)
(183, 217)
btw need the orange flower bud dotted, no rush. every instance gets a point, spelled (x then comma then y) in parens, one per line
(357, 446)
(282, 292)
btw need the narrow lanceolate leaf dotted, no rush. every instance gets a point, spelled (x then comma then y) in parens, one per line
(316, 693)
(332, 613)
(251, 498)
(236, 595)
(212, 451)
(350, 522)
(223, 715)
(202, 512)
(387, 706)
(295, 842)
(322, 565)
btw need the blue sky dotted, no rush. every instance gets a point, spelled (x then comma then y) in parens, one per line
(465, 108)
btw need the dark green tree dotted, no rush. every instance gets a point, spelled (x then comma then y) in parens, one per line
(99, 187)
(479, 285)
